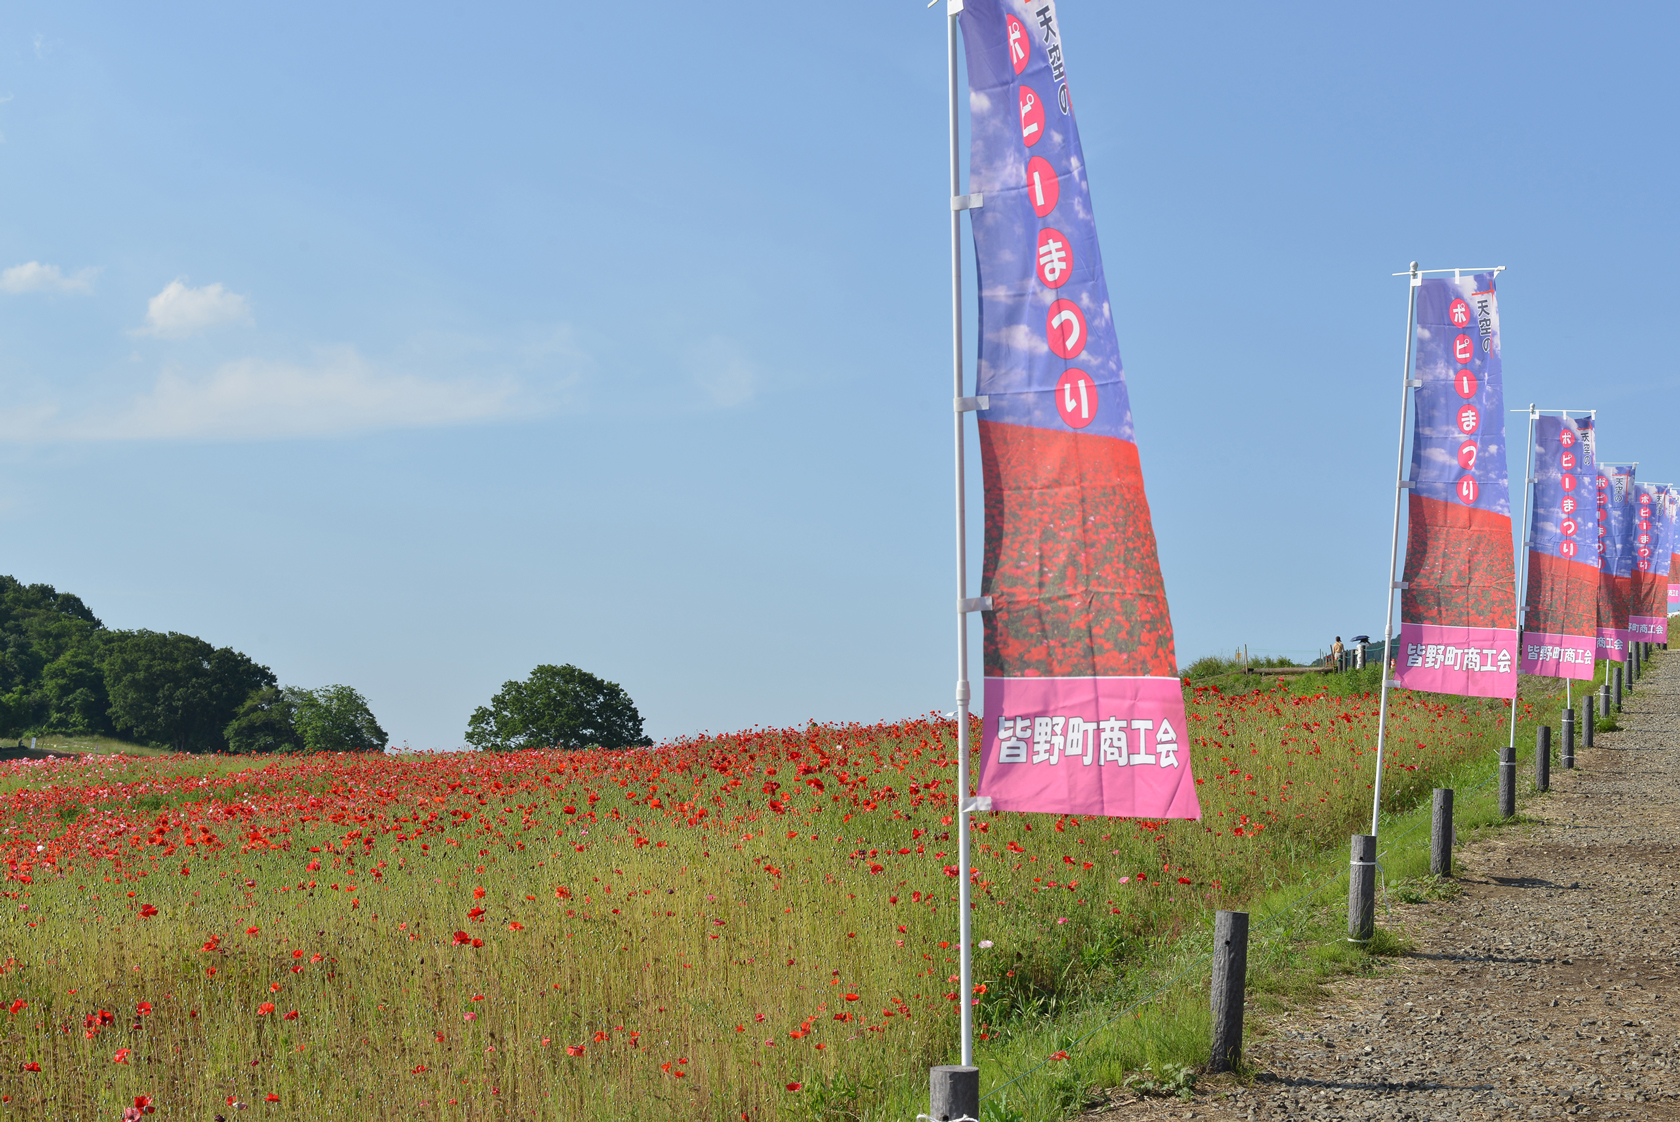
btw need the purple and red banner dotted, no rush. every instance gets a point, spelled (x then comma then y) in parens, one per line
(1458, 626)
(1648, 602)
(1672, 528)
(1084, 711)
(1560, 632)
(1615, 555)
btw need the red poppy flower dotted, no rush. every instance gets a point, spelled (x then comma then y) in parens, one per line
(271, 1097)
(574, 1049)
(794, 1086)
(265, 1008)
(143, 1008)
(19, 1005)
(1062, 1055)
(147, 911)
(291, 1016)
(32, 1066)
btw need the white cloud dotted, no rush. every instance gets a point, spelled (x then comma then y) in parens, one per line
(32, 276)
(179, 311)
(722, 370)
(340, 394)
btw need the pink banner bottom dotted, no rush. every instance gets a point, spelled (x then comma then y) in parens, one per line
(1472, 661)
(1612, 644)
(1558, 656)
(1648, 629)
(1111, 746)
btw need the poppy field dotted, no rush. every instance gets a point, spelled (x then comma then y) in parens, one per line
(752, 926)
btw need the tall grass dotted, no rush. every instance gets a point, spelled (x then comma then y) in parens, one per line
(754, 926)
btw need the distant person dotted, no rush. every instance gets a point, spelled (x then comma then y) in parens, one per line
(1336, 651)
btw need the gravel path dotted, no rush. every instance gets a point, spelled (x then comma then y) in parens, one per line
(1548, 987)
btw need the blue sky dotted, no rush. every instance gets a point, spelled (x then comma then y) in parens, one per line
(410, 347)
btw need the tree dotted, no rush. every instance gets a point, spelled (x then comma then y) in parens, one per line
(40, 626)
(336, 719)
(74, 687)
(558, 706)
(178, 690)
(266, 722)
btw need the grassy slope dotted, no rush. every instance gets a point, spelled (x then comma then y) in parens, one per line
(725, 950)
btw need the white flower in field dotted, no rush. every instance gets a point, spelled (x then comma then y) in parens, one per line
(985, 944)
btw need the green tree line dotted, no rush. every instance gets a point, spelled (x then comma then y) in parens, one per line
(63, 671)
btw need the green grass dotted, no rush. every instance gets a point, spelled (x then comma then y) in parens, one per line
(71, 744)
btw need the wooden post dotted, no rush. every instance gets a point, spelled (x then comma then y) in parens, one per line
(1230, 978)
(1618, 690)
(1362, 888)
(953, 1093)
(1587, 724)
(1569, 738)
(1507, 781)
(1441, 833)
(1543, 757)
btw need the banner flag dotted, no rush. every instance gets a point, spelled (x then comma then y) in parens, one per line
(1672, 527)
(1615, 553)
(1084, 711)
(1662, 559)
(1648, 604)
(1458, 625)
(1561, 627)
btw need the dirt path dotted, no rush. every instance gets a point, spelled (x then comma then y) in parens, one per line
(1549, 987)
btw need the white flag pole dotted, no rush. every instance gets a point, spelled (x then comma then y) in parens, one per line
(1389, 646)
(1522, 566)
(965, 970)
